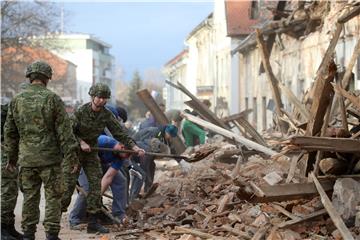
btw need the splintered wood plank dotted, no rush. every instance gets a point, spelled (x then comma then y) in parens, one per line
(251, 130)
(271, 77)
(285, 212)
(334, 215)
(196, 232)
(322, 88)
(236, 232)
(285, 192)
(303, 219)
(353, 99)
(260, 233)
(326, 144)
(236, 116)
(293, 165)
(294, 100)
(250, 144)
(349, 15)
(200, 107)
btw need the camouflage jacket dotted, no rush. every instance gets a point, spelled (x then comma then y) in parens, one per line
(88, 125)
(38, 130)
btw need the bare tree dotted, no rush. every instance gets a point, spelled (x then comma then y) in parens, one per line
(24, 25)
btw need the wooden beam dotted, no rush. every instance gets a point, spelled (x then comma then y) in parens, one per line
(236, 116)
(353, 99)
(334, 215)
(199, 106)
(326, 144)
(322, 88)
(321, 100)
(271, 38)
(241, 234)
(196, 232)
(293, 165)
(295, 101)
(251, 130)
(230, 135)
(282, 192)
(349, 15)
(271, 77)
(285, 212)
(301, 220)
(159, 116)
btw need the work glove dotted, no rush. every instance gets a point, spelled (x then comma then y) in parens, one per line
(185, 166)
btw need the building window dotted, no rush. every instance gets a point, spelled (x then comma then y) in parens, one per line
(358, 69)
(301, 88)
(263, 113)
(246, 105)
(254, 112)
(254, 10)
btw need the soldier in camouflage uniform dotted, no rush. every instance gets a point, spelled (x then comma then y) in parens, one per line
(38, 137)
(90, 121)
(9, 190)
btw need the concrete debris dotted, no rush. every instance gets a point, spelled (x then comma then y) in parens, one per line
(346, 197)
(272, 178)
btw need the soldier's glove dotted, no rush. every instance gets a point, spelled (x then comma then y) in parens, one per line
(185, 166)
(135, 173)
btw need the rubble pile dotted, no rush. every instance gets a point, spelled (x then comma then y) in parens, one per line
(208, 203)
(298, 181)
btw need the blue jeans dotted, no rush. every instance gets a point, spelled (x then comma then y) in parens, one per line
(118, 188)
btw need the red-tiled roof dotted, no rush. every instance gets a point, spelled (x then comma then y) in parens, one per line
(177, 57)
(26, 55)
(238, 17)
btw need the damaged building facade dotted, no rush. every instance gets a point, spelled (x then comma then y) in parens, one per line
(300, 43)
(223, 60)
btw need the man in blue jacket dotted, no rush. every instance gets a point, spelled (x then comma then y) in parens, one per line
(111, 165)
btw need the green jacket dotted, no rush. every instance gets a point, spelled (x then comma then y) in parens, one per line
(38, 130)
(191, 131)
(88, 125)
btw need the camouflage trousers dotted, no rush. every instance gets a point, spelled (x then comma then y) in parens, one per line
(9, 194)
(93, 171)
(30, 180)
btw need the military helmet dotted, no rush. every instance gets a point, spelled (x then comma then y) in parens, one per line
(39, 67)
(100, 90)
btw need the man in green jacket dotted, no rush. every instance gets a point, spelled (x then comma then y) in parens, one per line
(89, 122)
(38, 137)
(193, 134)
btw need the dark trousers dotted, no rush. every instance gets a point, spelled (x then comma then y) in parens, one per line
(148, 165)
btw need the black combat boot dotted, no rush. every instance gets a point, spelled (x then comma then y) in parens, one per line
(52, 236)
(95, 227)
(5, 235)
(104, 219)
(12, 231)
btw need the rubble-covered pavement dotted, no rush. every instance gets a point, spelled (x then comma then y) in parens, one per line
(207, 203)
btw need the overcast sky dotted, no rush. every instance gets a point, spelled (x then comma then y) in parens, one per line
(143, 35)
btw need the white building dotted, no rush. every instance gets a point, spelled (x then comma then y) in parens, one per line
(93, 59)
